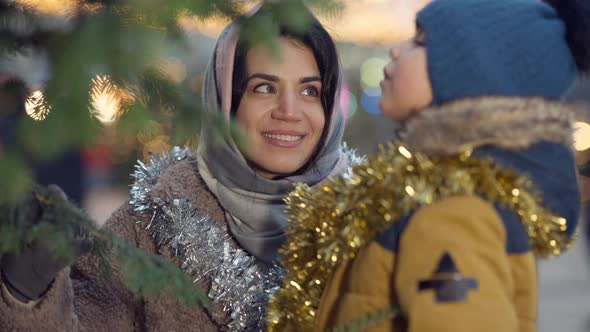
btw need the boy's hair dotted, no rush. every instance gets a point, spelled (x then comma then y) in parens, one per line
(505, 47)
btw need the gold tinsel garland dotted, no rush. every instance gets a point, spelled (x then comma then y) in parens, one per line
(329, 225)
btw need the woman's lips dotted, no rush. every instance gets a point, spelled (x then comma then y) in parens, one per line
(284, 139)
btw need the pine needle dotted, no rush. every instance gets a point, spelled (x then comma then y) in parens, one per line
(62, 222)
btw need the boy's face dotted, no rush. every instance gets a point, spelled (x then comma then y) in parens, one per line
(406, 87)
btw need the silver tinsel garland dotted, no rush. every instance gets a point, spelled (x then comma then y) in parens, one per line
(239, 285)
(353, 159)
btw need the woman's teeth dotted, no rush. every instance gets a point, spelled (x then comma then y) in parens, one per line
(288, 138)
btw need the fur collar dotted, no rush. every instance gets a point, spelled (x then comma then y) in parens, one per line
(507, 122)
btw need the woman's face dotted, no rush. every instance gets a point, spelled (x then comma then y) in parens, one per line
(406, 87)
(280, 110)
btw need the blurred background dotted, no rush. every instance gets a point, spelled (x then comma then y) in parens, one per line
(97, 176)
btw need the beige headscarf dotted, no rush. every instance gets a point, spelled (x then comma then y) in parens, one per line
(254, 205)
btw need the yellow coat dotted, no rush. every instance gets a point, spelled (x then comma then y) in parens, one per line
(469, 230)
(437, 234)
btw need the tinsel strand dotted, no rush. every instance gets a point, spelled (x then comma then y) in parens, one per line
(329, 225)
(239, 285)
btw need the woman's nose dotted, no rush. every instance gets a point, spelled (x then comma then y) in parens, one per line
(288, 108)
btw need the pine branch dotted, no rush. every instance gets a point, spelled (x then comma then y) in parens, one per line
(327, 7)
(125, 40)
(62, 222)
(15, 178)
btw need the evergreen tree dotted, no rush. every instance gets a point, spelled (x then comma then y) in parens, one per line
(110, 45)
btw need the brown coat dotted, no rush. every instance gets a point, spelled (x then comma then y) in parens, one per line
(81, 300)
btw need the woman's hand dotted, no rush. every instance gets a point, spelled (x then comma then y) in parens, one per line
(28, 273)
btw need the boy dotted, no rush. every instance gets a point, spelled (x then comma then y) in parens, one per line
(440, 233)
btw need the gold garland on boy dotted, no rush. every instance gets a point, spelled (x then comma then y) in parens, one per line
(331, 224)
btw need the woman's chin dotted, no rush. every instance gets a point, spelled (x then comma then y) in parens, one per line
(277, 171)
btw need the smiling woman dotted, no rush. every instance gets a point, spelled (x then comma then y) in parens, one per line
(218, 215)
(286, 105)
(281, 109)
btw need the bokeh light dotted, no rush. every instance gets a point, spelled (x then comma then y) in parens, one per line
(55, 7)
(104, 99)
(353, 105)
(175, 69)
(348, 102)
(372, 72)
(368, 22)
(60, 7)
(582, 136)
(35, 105)
(373, 91)
(370, 100)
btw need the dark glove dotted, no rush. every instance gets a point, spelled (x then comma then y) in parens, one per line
(29, 273)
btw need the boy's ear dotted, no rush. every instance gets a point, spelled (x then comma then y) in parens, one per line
(419, 28)
(584, 169)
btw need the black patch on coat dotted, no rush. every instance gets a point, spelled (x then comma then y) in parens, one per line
(448, 282)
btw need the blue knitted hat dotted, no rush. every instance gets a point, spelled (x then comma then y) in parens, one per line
(496, 48)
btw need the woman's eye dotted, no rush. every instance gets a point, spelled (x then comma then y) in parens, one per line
(311, 92)
(264, 88)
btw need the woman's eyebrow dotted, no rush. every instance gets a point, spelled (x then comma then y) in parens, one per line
(272, 78)
(310, 79)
